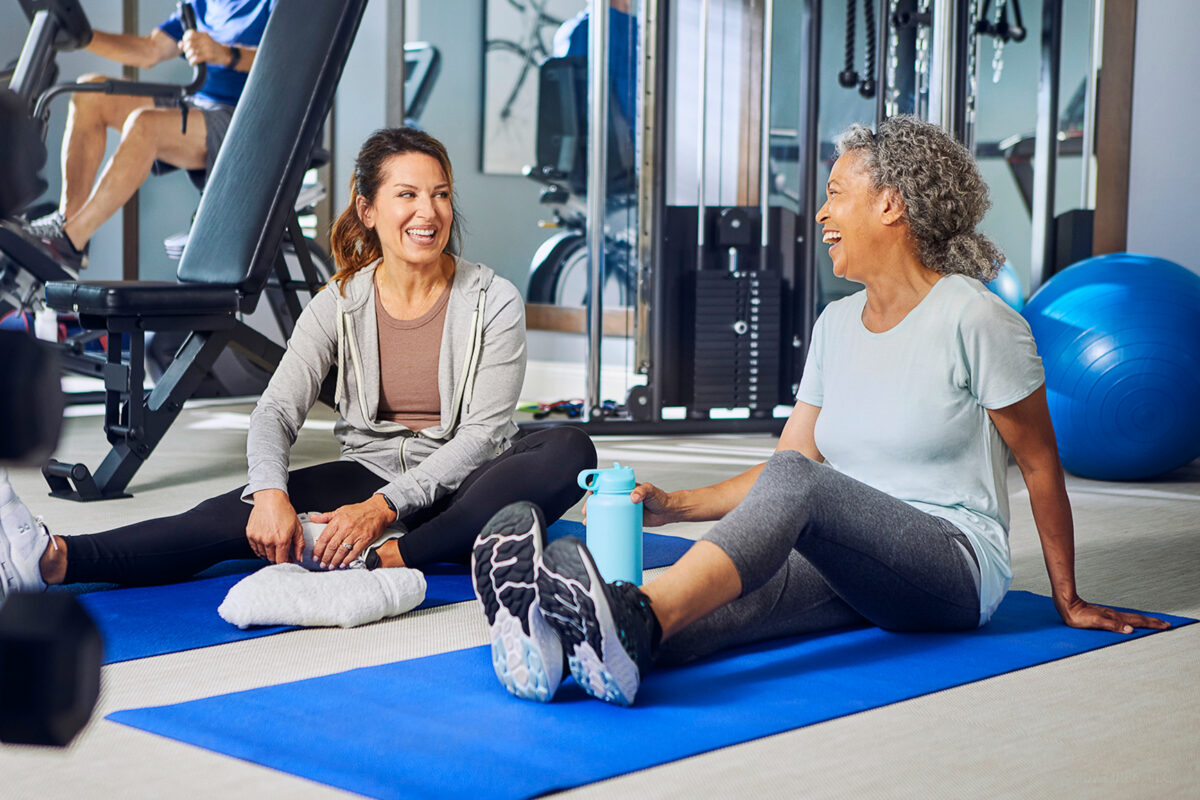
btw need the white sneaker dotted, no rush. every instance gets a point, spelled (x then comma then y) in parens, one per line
(23, 540)
(527, 653)
(312, 532)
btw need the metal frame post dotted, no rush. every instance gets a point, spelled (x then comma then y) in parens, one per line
(764, 160)
(702, 133)
(810, 83)
(1087, 192)
(395, 101)
(649, 146)
(943, 65)
(1045, 156)
(597, 201)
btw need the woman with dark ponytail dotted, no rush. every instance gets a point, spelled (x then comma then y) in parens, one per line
(427, 351)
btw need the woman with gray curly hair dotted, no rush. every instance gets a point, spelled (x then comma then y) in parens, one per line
(886, 501)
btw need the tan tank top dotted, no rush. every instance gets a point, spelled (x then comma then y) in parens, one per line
(409, 350)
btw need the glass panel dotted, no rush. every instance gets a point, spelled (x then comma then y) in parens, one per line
(787, 112)
(1072, 99)
(1005, 122)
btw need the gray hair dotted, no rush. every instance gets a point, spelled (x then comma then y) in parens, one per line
(944, 195)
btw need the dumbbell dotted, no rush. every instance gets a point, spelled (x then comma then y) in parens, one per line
(50, 654)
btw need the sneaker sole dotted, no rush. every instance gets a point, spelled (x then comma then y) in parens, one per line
(575, 602)
(526, 652)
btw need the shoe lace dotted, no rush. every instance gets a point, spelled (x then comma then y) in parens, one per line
(41, 523)
(48, 227)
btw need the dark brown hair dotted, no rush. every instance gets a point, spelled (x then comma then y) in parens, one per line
(353, 244)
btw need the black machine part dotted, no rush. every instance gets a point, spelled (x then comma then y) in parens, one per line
(20, 140)
(73, 31)
(54, 25)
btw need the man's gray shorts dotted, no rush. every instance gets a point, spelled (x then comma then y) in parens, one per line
(216, 125)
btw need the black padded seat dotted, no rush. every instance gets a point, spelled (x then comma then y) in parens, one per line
(142, 298)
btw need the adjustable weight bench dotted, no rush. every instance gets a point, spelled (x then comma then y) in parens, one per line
(233, 249)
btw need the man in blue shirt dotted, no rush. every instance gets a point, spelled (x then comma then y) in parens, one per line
(571, 39)
(226, 39)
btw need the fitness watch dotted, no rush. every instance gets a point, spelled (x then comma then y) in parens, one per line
(391, 506)
(235, 55)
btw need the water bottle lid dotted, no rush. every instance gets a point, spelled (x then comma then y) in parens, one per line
(617, 480)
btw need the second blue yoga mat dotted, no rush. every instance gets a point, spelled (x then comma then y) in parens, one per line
(441, 726)
(153, 620)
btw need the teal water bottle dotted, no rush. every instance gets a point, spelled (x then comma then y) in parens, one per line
(614, 523)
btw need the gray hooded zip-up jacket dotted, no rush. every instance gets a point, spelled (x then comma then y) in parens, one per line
(481, 368)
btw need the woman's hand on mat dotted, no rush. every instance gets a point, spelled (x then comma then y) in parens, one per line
(1079, 614)
(274, 529)
(350, 530)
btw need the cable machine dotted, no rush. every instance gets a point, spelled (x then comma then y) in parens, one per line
(726, 293)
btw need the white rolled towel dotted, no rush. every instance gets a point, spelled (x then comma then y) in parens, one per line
(289, 594)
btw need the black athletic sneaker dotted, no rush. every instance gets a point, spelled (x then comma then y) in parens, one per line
(50, 230)
(49, 225)
(526, 652)
(609, 631)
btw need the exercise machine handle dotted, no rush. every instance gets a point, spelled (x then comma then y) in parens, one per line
(187, 15)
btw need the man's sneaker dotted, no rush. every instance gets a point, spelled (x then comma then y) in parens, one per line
(609, 631)
(23, 539)
(50, 230)
(49, 225)
(526, 652)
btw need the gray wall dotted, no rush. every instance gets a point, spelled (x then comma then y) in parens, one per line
(1164, 161)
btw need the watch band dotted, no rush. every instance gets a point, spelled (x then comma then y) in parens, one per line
(235, 55)
(391, 506)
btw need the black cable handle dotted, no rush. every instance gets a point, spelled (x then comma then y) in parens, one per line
(848, 77)
(867, 87)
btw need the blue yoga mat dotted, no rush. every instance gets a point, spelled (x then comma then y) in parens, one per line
(442, 726)
(153, 620)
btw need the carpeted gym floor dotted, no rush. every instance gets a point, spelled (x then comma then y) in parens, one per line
(1120, 722)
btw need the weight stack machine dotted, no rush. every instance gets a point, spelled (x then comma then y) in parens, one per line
(734, 316)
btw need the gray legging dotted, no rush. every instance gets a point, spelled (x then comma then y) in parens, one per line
(817, 550)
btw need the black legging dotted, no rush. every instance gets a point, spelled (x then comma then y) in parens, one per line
(540, 467)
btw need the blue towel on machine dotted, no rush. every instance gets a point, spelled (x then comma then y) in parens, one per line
(441, 726)
(153, 620)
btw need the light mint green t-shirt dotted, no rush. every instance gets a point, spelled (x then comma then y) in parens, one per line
(905, 411)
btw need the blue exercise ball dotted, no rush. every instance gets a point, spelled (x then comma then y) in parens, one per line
(1007, 284)
(1119, 337)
